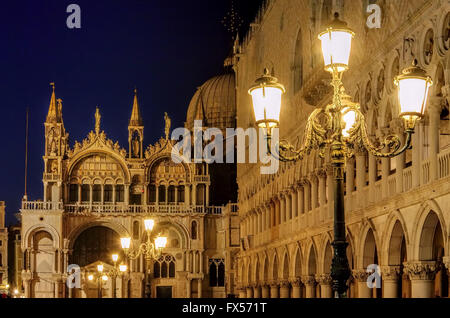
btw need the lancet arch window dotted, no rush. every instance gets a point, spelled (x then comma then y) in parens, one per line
(216, 272)
(164, 267)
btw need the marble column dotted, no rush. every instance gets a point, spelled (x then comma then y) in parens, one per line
(361, 277)
(256, 291)
(314, 192)
(400, 160)
(390, 276)
(288, 205)
(265, 292)
(274, 290)
(282, 199)
(422, 274)
(284, 289)
(300, 199)
(307, 197)
(249, 292)
(296, 284)
(200, 288)
(310, 284)
(434, 112)
(294, 202)
(325, 282)
(372, 177)
(417, 148)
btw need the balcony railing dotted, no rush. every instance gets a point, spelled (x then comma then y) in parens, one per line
(127, 209)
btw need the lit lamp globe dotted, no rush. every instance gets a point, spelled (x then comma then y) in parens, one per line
(349, 116)
(336, 45)
(149, 224)
(413, 87)
(100, 268)
(266, 96)
(125, 242)
(160, 242)
(122, 268)
(115, 258)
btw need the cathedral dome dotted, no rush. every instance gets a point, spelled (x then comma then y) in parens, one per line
(214, 103)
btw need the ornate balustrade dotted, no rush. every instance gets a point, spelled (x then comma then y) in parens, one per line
(127, 209)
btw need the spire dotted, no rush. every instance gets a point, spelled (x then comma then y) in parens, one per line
(55, 109)
(136, 119)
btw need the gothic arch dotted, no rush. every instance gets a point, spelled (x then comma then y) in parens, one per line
(26, 242)
(394, 224)
(368, 245)
(327, 256)
(275, 268)
(118, 228)
(91, 152)
(311, 259)
(297, 262)
(285, 266)
(422, 220)
(153, 161)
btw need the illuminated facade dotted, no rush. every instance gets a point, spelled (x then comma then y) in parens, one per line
(396, 210)
(96, 192)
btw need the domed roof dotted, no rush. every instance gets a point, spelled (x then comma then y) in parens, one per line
(214, 103)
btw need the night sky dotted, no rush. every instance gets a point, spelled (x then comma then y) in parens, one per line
(165, 48)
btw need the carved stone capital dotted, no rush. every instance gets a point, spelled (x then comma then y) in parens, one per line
(446, 262)
(284, 284)
(274, 284)
(420, 270)
(390, 273)
(308, 280)
(295, 282)
(324, 279)
(360, 275)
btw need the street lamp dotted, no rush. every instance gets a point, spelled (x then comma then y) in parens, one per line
(150, 250)
(340, 127)
(100, 277)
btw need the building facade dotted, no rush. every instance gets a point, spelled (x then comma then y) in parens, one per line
(3, 249)
(397, 210)
(97, 192)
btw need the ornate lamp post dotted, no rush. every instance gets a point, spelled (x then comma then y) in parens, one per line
(100, 276)
(117, 271)
(340, 127)
(150, 250)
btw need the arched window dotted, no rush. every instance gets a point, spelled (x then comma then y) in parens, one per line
(108, 195)
(181, 193)
(85, 193)
(164, 267)
(152, 193)
(73, 193)
(157, 270)
(298, 63)
(217, 272)
(194, 230)
(171, 194)
(120, 193)
(97, 193)
(136, 231)
(162, 194)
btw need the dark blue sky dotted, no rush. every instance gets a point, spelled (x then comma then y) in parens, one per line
(164, 48)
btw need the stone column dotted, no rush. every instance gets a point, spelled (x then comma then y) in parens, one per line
(422, 275)
(274, 290)
(282, 199)
(390, 276)
(360, 171)
(157, 194)
(242, 292)
(325, 281)
(385, 169)
(249, 292)
(434, 112)
(194, 194)
(322, 188)
(288, 205)
(372, 177)
(90, 194)
(127, 194)
(200, 288)
(296, 284)
(307, 198)
(330, 183)
(256, 291)
(79, 193)
(294, 202)
(310, 284)
(417, 148)
(300, 199)
(265, 293)
(284, 289)
(400, 160)
(188, 288)
(314, 192)
(361, 277)
(350, 178)
(102, 194)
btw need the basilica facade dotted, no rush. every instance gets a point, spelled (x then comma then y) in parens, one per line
(97, 192)
(397, 210)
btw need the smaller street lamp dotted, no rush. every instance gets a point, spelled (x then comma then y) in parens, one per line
(149, 249)
(100, 277)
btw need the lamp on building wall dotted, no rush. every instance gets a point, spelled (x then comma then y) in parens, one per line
(340, 127)
(150, 250)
